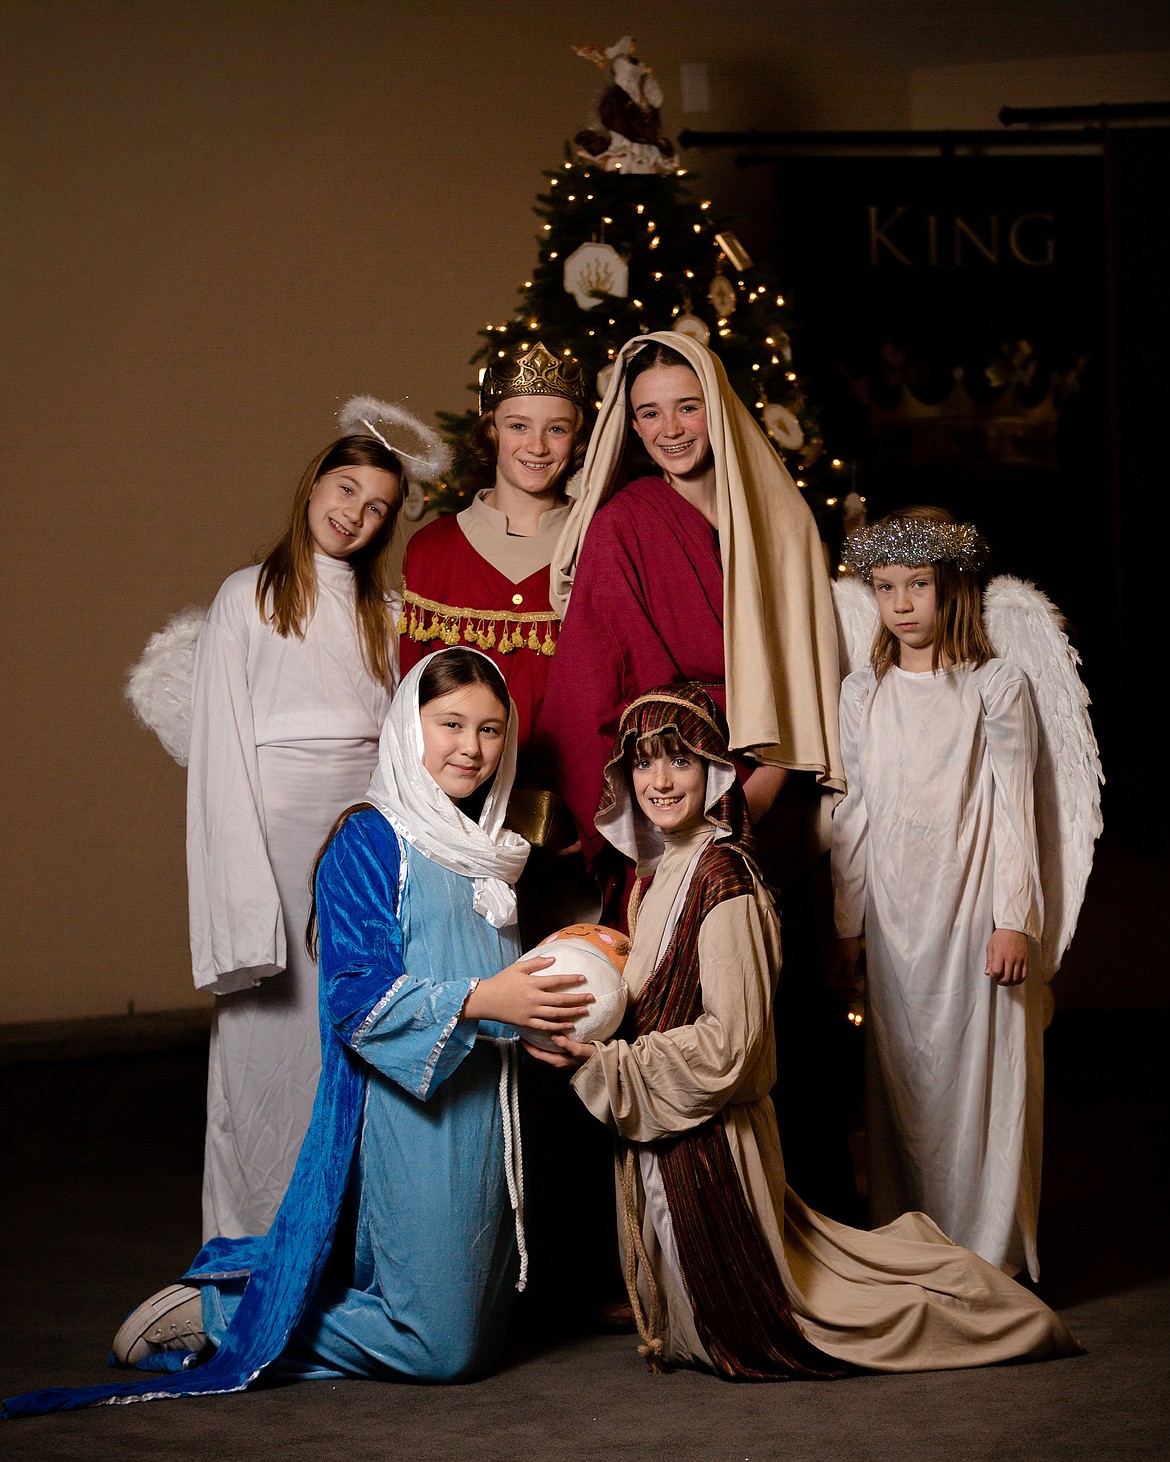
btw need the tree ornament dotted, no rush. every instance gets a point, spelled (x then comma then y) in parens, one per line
(722, 295)
(627, 136)
(737, 256)
(599, 267)
(782, 426)
(692, 325)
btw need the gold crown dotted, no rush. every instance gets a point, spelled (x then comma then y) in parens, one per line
(535, 373)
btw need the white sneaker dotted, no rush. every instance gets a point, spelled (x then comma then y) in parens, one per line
(172, 1319)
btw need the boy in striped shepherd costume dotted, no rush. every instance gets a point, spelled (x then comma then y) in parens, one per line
(726, 1268)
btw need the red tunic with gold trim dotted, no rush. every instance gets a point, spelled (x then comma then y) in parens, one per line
(453, 595)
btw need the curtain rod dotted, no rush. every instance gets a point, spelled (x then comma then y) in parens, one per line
(944, 139)
(1097, 117)
(1102, 113)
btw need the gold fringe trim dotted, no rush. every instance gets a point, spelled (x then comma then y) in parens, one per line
(501, 629)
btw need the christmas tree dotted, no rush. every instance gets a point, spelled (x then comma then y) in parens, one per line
(625, 248)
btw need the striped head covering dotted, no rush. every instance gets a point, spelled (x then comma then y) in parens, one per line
(689, 713)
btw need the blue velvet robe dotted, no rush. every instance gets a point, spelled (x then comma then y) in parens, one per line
(406, 1138)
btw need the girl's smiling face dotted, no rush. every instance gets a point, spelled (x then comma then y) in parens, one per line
(349, 506)
(670, 415)
(463, 738)
(906, 600)
(670, 790)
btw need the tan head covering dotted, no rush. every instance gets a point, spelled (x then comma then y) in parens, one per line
(779, 633)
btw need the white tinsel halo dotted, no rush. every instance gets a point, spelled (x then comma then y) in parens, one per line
(912, 542)
(367, 416)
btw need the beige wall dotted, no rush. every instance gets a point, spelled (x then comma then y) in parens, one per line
(219, 220)
(972, 95)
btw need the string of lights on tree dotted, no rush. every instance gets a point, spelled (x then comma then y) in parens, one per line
(622, 254)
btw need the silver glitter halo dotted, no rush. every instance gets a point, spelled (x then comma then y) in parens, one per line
(914, 541)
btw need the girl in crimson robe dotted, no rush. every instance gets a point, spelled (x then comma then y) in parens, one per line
(689, 554)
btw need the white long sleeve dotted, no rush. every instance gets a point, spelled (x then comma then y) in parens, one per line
(1009, 725)
(850, 817)
(255, 688)
(237, 929)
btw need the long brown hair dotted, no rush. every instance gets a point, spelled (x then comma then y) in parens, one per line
(286, 591)
(959, 636)
(654, 354)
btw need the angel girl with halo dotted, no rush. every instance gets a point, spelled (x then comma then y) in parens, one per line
(273, 700)
(960, 854)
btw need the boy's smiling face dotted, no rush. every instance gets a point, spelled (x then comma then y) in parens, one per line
(670, 790)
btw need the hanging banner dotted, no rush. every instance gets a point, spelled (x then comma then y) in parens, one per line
(952, 329)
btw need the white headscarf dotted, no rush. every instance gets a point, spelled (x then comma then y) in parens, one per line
(425, 817)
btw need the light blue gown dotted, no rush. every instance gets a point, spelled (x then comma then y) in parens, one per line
(426, 1290)
(394, 1252)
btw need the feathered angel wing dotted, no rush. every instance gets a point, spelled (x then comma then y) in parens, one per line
(160, 686)
(1026, 628)
(857, 619)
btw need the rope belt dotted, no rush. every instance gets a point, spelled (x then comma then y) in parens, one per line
(649, 1326)
(513, 1148)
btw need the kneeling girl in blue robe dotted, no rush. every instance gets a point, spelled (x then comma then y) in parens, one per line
(400, 1241)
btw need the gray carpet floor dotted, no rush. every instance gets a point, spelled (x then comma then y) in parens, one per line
(100, 1207)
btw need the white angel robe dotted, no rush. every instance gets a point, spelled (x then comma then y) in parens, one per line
(934, 847)
(284, 736)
